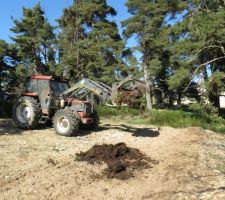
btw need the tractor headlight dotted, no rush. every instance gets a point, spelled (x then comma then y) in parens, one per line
(62, 103)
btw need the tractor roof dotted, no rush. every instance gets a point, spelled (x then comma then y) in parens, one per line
(42, 77)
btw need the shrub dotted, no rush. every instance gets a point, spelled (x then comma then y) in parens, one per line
(207, 112)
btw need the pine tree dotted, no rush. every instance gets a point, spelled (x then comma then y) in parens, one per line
(3, 65)
(34, 39)
(90, 45)
(148, 24)
(199, 48)
(7, 68)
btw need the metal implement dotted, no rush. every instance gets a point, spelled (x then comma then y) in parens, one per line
(87, 86)
(122, 93)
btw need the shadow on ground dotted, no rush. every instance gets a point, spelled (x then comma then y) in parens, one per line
(137, 132)
(7, 127)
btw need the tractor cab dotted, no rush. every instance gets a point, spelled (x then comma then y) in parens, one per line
(50, 84)
(47, 89)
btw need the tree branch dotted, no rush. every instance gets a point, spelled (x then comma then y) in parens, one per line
(214, 46)
(196, 70)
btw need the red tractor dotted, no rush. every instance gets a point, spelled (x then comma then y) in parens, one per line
(47, 98)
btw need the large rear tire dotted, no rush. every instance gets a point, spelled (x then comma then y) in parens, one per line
(26, 113)
(66, 123)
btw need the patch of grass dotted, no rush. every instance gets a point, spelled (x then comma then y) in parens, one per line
(173, 118)
(106, 111)
(165, 117)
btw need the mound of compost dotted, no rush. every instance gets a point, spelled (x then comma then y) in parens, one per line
(121, 160)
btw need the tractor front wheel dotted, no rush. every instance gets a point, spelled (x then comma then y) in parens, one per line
(66, 123)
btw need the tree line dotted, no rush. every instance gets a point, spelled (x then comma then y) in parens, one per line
(181, 42)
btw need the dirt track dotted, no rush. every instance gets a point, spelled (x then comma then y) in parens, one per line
(40, 165)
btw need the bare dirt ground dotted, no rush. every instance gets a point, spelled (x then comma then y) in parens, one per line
(39, 164)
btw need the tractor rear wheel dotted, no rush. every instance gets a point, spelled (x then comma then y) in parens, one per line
(26, 113)
(66, 123)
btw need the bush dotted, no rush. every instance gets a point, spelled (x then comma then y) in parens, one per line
(207, 112)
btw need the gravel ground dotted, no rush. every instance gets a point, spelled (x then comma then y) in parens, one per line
(39, 164)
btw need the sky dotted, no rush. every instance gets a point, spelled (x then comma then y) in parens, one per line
(53, 10)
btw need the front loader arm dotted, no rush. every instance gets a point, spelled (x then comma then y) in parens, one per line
(87, 86)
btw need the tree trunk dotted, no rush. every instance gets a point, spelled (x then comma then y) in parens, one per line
(179, 96)
(148, 86)
(203, 93)
(170, 100)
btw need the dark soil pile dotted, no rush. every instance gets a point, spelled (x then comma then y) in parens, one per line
(120, 159)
